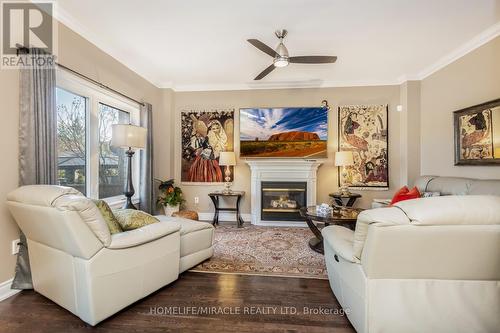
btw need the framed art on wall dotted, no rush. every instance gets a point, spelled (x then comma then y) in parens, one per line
(477, 134)
(363, 130)
(204, 135)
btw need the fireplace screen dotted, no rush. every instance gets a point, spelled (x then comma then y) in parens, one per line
(281, 201)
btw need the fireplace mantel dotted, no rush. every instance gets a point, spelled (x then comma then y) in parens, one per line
(281, 170)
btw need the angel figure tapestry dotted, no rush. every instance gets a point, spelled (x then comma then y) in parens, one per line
(205, 134)
(363, 130)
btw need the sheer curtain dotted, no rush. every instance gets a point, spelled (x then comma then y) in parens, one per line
(146, 189)
(37, 140)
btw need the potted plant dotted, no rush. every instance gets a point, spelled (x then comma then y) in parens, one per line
(170, 197)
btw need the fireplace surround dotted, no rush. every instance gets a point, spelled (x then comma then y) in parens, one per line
(271, 174)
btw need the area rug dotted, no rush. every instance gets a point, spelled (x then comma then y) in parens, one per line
(273, 251)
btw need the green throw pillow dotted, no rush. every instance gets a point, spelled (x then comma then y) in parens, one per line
(109, 217)
(130, 219)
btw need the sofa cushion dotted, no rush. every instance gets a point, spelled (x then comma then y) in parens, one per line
(379, 216)
(195, 236)
(449, 210)
(485, 187)
(40, 195)
(142, 235)
(130, 219)
(88, 212)
(110, 218)
(341, 240)
(449, 185)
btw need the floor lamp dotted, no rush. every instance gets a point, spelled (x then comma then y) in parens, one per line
(128, 137)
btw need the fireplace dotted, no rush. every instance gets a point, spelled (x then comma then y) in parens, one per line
(281, 175)
(281, 201)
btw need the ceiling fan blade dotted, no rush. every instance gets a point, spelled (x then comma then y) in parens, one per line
(263, 47)
(265, 72)
(313, 59)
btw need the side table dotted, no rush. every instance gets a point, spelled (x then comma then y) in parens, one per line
(352, 197)
(215, 196)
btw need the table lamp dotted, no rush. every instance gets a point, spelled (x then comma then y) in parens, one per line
(344, 159)
(227, 159)
(128, 137)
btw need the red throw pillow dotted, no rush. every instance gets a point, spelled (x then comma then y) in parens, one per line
(405, 194)
(402, 190)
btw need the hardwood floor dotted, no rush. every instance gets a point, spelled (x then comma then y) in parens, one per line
(273, 301)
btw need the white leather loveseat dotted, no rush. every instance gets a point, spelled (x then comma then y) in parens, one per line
(423, 265)
(79, 265)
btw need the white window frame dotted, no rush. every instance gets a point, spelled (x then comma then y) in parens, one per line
(95, 95)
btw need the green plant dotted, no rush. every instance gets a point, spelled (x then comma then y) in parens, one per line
(169, 194)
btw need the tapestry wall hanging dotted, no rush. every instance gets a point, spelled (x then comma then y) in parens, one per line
(363, 130)
(477, 134)
(205, 134)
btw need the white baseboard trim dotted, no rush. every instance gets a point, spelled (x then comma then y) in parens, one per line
(5, 291)
(224, 217)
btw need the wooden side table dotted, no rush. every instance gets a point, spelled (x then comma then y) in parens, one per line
(351, 198)
(215, 199)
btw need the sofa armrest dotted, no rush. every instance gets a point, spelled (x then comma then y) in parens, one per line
(143, 235)
(340, 239)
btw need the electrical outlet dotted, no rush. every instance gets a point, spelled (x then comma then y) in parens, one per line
(15, 246)
(196, 200)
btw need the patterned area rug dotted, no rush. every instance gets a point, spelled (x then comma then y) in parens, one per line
(275, 251)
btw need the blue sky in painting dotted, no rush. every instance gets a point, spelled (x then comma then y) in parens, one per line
(262, 123)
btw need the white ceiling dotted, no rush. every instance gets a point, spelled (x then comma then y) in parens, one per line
(201, 45)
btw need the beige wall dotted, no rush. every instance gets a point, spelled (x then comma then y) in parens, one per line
(82, 56)
(471, 80)
(327, 174)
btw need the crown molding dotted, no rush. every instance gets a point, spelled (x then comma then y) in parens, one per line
(473, 44)
(280, 85)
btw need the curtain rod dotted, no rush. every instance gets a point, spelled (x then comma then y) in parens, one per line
(22, 49)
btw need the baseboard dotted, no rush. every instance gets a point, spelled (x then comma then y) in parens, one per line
(224, 217)
(5, 291)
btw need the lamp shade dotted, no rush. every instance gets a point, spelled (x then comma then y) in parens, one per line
(125, 136)
(227, 158)
(344, 158)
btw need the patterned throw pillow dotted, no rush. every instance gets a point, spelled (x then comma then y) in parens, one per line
(107, 214)
(130, 219)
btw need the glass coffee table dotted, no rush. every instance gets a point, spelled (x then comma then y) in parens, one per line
(339, 215)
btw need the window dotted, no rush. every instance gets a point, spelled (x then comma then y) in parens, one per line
(86, 160)
(71, 139)
(112, 161)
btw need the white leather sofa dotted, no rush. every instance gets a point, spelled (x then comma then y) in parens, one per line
(79, 265)
(450, 186)
(423, 265)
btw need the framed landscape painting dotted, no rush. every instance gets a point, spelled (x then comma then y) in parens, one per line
(205, 134)
(284, 132)
(477, 134)
(363, 130)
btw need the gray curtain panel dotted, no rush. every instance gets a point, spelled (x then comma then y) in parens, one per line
(146, 188)
(37, 142)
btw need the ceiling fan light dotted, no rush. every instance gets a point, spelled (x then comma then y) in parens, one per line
(280, 62)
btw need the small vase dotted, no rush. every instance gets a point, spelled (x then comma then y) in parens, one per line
(169, 210)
